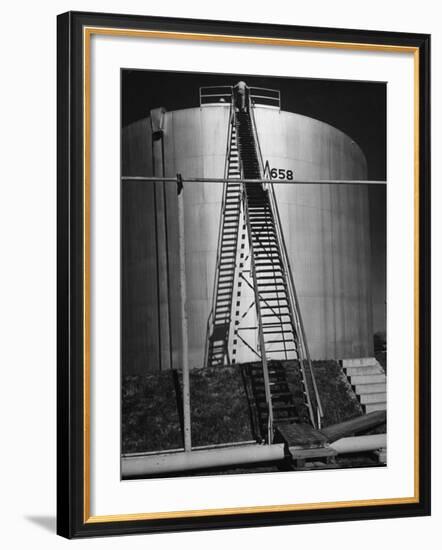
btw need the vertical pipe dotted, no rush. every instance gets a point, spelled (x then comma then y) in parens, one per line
(157, 262)
(185, 367)
(162, 255)
(167, 250)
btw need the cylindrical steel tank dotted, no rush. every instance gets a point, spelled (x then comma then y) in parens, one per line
(326, 228)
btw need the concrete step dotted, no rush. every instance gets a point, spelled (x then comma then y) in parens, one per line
(369, 369)
(370, 388)
(371, 407)
(368, 379)
(373, 398)
(359, 362)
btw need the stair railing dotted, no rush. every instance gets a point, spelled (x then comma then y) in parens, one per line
(265, 369)
(305, 353)
(316, 419)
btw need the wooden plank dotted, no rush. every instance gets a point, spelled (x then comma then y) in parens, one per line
(301, 436)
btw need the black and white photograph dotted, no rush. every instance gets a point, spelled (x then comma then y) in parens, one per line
(253, 263)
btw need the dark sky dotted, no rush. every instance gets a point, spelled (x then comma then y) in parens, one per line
(357, 108)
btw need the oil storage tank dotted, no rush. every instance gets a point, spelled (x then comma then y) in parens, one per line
(326, 229)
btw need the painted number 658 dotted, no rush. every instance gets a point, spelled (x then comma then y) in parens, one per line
(277, 173)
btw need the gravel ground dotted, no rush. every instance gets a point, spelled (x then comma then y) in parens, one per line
(219, 408)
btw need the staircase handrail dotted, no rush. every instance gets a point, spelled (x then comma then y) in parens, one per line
(292, 290)
(265, 370)
(202, 94)
(300, 321)
(276, 100)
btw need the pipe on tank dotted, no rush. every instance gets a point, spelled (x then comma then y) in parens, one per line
(360, 443)
(142, 465)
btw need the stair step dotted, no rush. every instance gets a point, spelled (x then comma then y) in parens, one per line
(287, 420)
(280, 342)
(373, 398)
(368, 379)
(266, 315)
(274, 385)
(371, 407)
(275, 395)
(359, 362)
(280, 407)
(358, 371)
(220, 305)
(280, 331)
(370, 388)
(274, 379)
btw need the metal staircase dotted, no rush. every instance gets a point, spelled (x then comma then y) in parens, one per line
(279, 332)
(278, 327)
(288, 404)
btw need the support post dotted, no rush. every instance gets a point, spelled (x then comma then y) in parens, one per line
(185, 366)
(158, 168)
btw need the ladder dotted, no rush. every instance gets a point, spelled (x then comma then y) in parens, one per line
(220, 318)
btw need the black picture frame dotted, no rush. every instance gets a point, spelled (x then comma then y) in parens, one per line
(73, 518)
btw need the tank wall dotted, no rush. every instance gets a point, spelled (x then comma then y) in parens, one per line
(195, 145)
(140, 331)
(326, 230)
